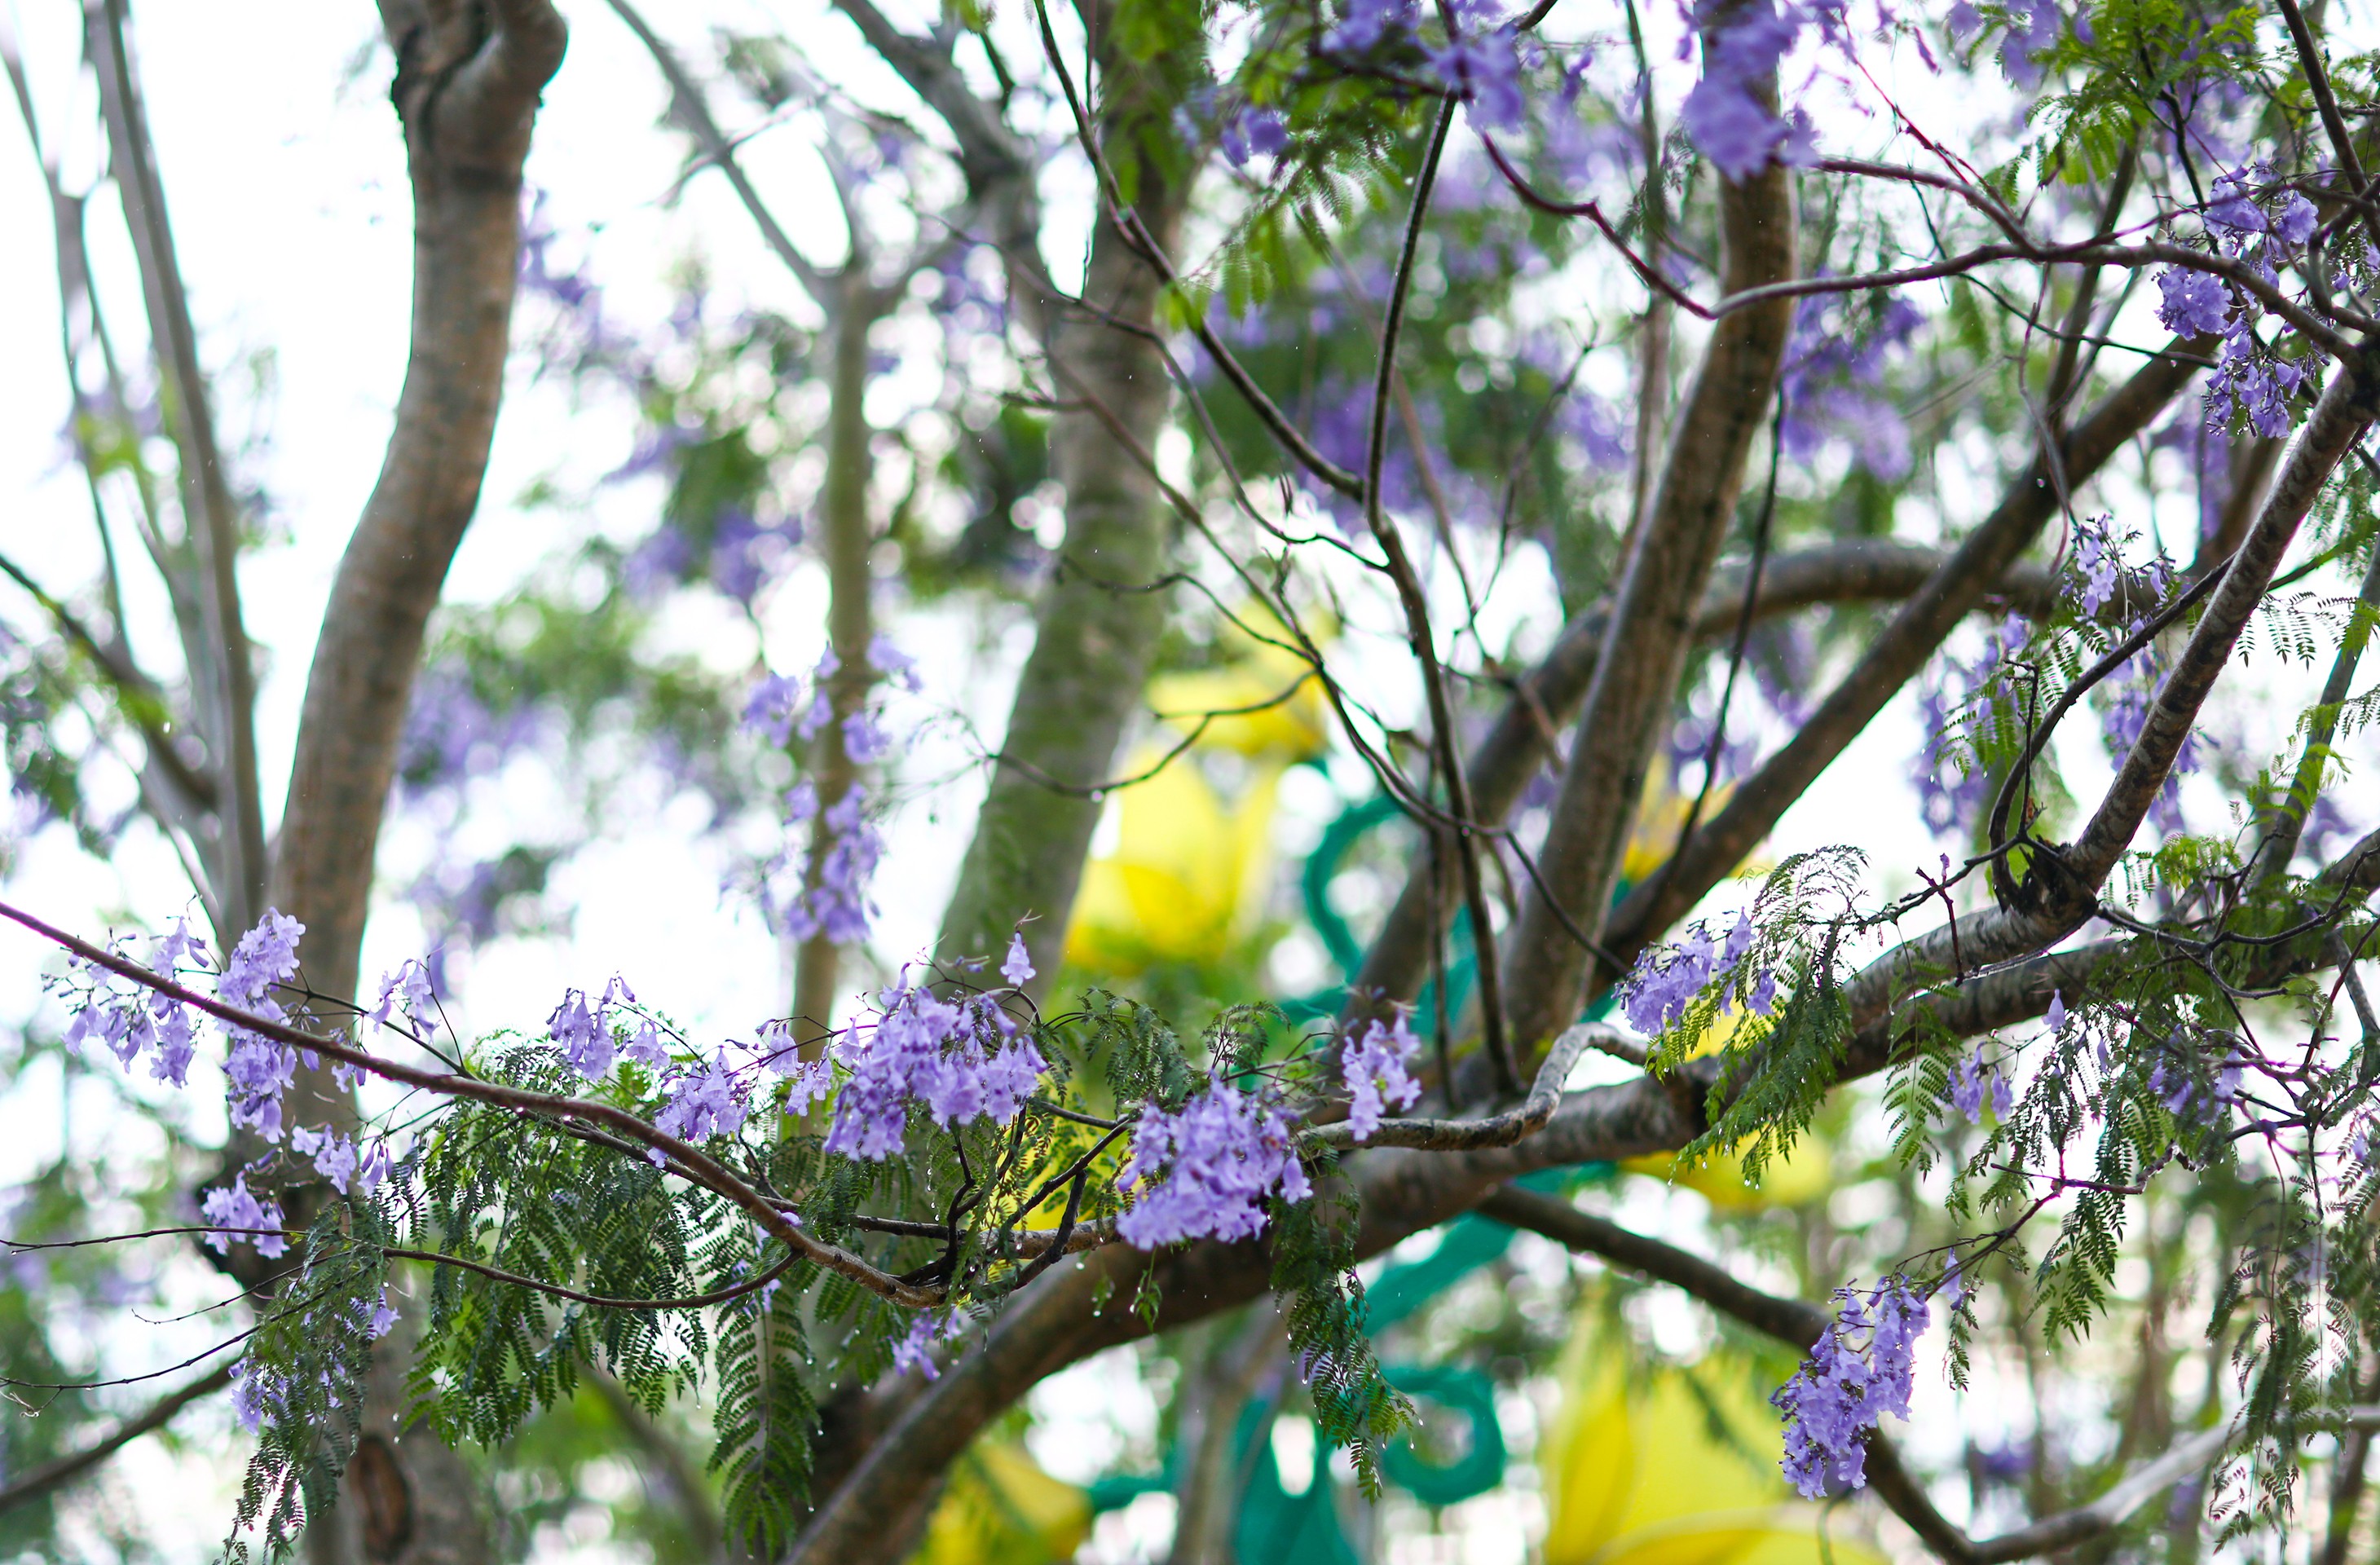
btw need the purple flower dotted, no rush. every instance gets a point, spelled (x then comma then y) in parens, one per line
(1724, 114)
(1973, 1081)
(1667, 979)
(916, 1350)
(703, 1101)
(2055, 1018)
(1364, 23)
(234, 1210)
(1845, 1388)
(771, 709)
(408, 990)
(924, 1049)
(334, 1155)
(1485, 72)
(1206, 1171)
(1017, 969)
(583, 1034)
(2233, 210)
(2192, 303)
(1373, 1069)
(1254, 132)
(865, 739)
(2296, 224)
(891, 662)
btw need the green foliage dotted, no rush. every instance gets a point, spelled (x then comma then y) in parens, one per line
(1354, 1406)
(304, 1369)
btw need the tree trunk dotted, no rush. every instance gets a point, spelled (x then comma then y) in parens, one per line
(466, 88)
(844, 538)
(1099, 617)
(1667, 564)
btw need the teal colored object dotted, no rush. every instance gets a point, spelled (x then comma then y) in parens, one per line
(1275, 1527)
(1348, 828)
(1457, 1389)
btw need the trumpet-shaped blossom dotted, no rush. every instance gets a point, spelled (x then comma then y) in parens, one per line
(1018, 967)
(234, 1210)
(1204, 1172)
(407, 992)
(929, 1049)
(1847, 1386)
(1973, 1083)
(1666, 979)
(1726, 113)
(704, 1102)
(2192, 303)
(1373, 1067)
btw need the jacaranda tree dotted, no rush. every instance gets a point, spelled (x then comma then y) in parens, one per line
(1602, 428)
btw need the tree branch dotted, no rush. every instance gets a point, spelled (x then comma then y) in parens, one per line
(1668, 570)
(1917, 630)
(51, 1476)
(1792, 1321)
(227, 675)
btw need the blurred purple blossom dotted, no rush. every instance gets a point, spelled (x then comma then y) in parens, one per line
(236, 1208)
(1974, 1082)
(1834, 385)
(1724, 114)
(1364, 23)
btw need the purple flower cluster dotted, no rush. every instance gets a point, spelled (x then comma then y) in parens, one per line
(258, 1069)
(589, 1038)
(1949, 794)
(704, 1102)
(1834, 380)
(1668, 978)
(1364, 24)
(407, 992)
(1483, 69)
(1373, 1067)
(1973, 1082)
(1254, 132)
(2252, 378)
(833, 902)
(1846, 1386)
(338, 1161)
(135, 1022)
(964, 1061)
(236, 1208)
(1204, 1172)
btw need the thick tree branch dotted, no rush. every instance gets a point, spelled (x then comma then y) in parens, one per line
(464, 150)
(1668, 569)
(1100, 613)
(1896, 656)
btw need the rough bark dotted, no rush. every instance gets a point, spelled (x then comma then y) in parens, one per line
(846, 536)
(1668, 565)
(468, 83)
(1100, 616)
(467, 91)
